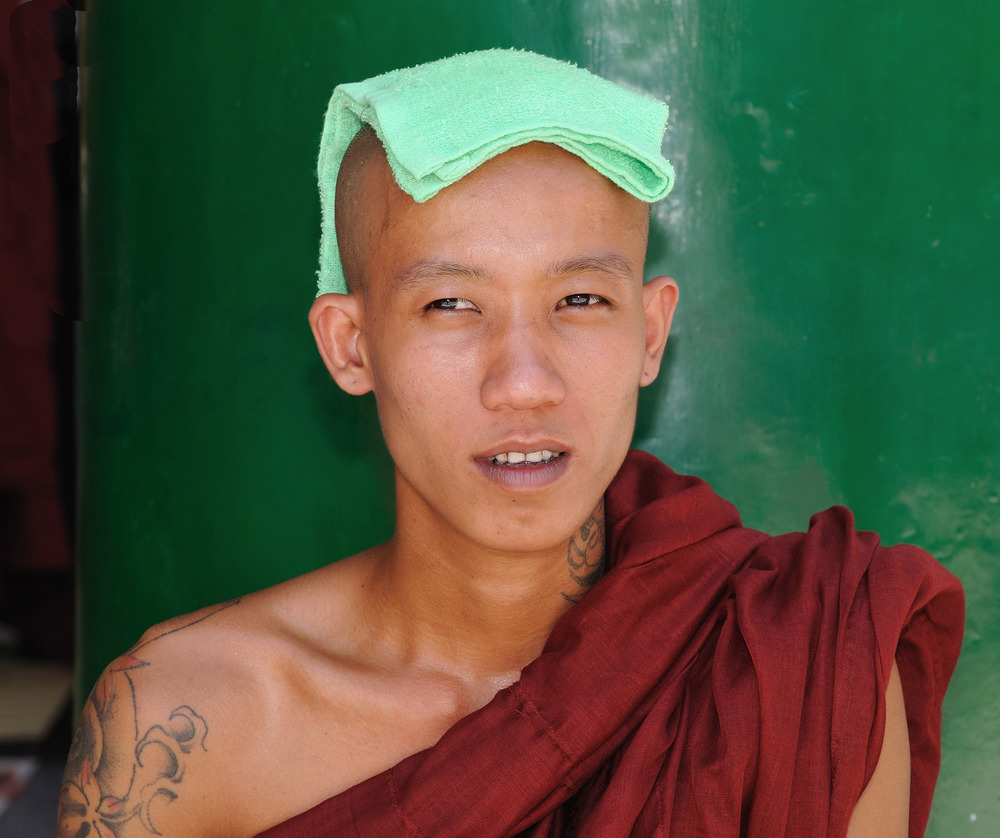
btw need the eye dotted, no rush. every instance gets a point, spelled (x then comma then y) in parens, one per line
(451, 304)
(583, 300)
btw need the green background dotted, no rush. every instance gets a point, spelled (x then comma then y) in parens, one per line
(834, 231)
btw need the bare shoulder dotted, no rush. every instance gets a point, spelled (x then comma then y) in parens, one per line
(143, 736)
(186, 733)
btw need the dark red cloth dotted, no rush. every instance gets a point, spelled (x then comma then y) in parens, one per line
(716, 682)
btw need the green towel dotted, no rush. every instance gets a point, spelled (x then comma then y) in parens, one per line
(439, 121)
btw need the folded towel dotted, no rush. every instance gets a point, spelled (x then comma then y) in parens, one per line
(439, 121)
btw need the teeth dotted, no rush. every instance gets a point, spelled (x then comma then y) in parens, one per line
(516, 457)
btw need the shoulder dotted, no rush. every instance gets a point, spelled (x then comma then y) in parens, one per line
(835, 557)
(878, 629)
(144, 743)
(181, 734)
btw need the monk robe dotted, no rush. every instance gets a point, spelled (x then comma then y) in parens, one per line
(715, 682)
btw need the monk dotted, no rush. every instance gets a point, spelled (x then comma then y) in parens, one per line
(562, 637)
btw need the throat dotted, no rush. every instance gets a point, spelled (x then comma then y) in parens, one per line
(482, 625)
(477, 613)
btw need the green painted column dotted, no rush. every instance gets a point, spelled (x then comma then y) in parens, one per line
(834, 231)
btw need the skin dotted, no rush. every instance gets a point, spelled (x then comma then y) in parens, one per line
(506, 314)
(884, 807)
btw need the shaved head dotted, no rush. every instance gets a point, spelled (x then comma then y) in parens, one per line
(362, 177)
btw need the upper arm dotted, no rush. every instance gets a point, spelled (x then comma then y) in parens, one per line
(121, 776)
(94, 782)
(884, 807)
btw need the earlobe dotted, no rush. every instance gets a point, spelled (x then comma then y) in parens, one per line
(659, 299)
(337, 322)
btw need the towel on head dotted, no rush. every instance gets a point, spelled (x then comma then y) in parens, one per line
(439, 121)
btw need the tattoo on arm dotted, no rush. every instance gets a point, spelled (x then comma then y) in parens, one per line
(110, 781)
(585, 553)
(114, 774)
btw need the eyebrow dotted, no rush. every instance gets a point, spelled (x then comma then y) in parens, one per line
(423, 270)
(426, 269)
(612, 264)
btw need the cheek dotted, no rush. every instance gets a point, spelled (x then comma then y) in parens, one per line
(605, 378)
(611, 360)
(422, 383)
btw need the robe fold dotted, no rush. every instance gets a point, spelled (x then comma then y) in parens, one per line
(715, 682)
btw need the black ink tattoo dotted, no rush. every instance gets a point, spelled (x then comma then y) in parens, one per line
(112, 780)
(221, 607)
(108, 783)
(585, 553)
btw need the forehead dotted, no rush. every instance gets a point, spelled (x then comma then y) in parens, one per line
(534, 199)
(561, 172)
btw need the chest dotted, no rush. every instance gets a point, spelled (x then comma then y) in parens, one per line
(290, 753)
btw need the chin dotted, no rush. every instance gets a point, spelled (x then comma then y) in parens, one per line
(532, 533)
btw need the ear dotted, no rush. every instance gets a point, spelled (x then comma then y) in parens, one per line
(659, 299)
(337, 322)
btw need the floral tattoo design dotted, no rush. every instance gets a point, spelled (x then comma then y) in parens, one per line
(113, 781)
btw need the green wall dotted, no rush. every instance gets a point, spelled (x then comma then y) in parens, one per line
(834, 231)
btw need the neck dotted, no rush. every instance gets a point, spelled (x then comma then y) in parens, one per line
(475, 613)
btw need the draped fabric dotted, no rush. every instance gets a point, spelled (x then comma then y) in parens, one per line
(715, 682)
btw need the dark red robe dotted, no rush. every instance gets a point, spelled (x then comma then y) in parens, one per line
(716, 682)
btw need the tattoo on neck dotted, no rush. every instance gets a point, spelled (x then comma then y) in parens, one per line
(585, 553)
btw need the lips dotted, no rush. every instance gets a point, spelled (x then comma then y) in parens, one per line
(520, 465)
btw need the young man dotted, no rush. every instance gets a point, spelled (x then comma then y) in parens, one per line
(562, 637)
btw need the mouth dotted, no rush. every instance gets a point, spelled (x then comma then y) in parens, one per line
(525, 470)
(525, 458)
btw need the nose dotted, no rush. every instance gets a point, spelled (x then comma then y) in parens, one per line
(521, 373)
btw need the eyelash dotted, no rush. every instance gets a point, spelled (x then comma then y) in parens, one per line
(590, 299)
(451, 303)
(437, 304)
